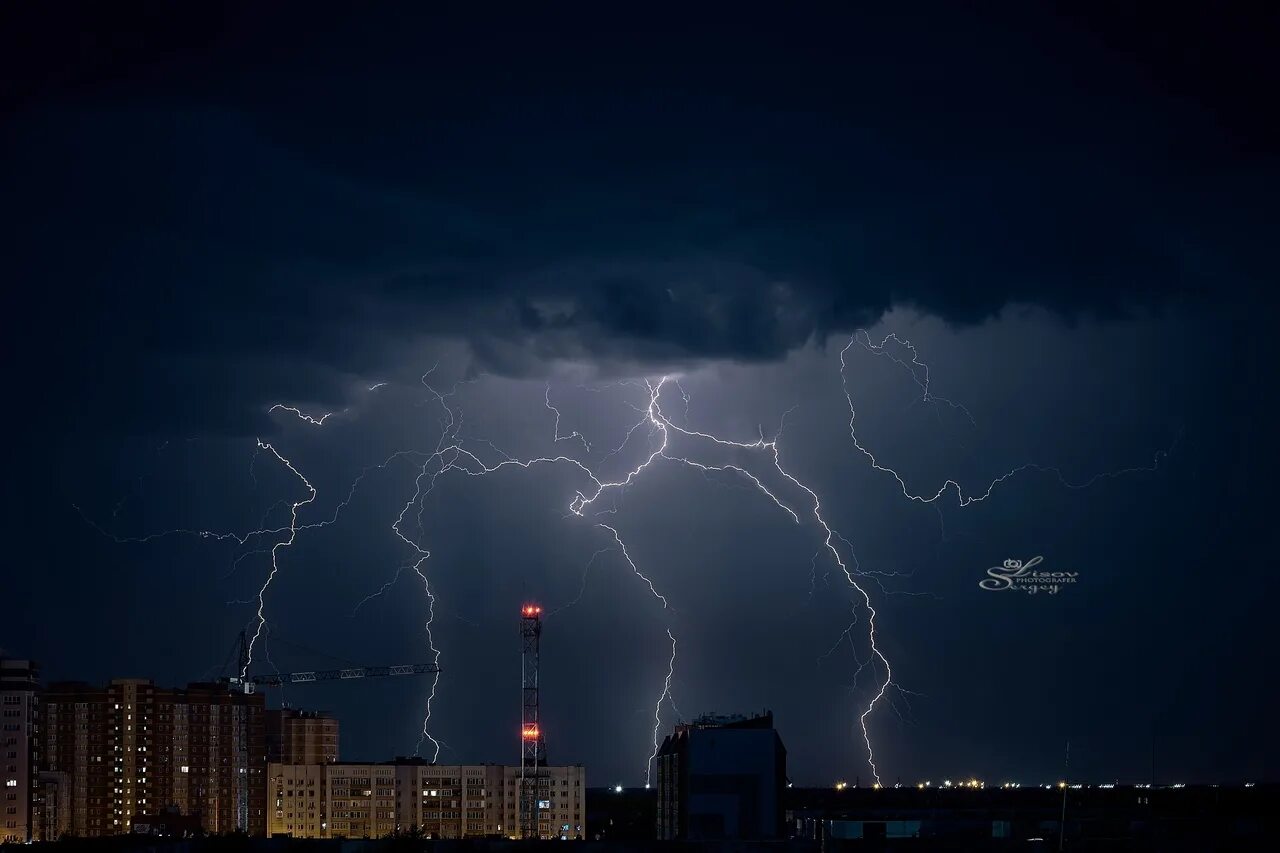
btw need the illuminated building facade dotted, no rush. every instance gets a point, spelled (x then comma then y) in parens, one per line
(561, 806)
(348, 800)
(301, 737)
(51, 811)
(132, 748)
(19, 748)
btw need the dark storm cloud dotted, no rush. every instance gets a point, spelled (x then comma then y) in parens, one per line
(211, 209)
(236, 206)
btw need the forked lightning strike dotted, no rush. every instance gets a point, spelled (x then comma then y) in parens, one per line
(949, 484)
(450, 455)
(303, 416)
(275, 553)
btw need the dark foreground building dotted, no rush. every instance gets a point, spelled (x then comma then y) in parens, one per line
(722, 778)
(1168, 819)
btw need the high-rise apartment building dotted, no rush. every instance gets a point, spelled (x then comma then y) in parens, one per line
(131, 748)
(19, 748)
(349, 800)
(301, 737)
(51, 809)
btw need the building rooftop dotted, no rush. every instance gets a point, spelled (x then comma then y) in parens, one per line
(763, 720)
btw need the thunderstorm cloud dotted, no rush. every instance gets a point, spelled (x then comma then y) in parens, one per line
(212, 211)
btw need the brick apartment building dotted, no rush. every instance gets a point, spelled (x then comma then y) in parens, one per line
(301, 737)
(131, 748)
(350, 800)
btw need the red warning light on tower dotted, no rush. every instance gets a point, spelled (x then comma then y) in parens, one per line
(532, 749)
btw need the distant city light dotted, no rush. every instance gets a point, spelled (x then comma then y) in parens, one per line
(617, 789)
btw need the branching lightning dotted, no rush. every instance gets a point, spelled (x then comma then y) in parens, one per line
(632, 563)
(951, 484)
(763, 470)
(275, 552)
(303, 416)
(558, 437)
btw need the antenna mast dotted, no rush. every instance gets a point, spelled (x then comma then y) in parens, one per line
(532, 748)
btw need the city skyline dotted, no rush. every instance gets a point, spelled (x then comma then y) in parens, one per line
(903, 373)
(306, 737)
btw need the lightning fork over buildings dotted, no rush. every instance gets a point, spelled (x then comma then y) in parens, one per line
(797, 500)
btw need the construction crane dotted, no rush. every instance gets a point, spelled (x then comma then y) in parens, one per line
(250, 684)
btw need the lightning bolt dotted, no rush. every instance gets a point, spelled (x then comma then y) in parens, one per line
(275, 552)
(632, 563)
(558, 437)
(450, 455)
(582, 589)
(950, 484)
(915, 368)
(381, 590)
(657, 708)
(802, 505)
(303, 416)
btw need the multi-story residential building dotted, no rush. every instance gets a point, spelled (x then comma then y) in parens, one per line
(450, 800)
(132, 748)
(51, 810)
(19, 748)
(561, 802)
(297, 800)
(350, 800)
(301, 737)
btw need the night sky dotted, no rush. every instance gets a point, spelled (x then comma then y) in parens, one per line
(1071, 215)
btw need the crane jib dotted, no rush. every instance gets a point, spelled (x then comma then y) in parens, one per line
(277, 679)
